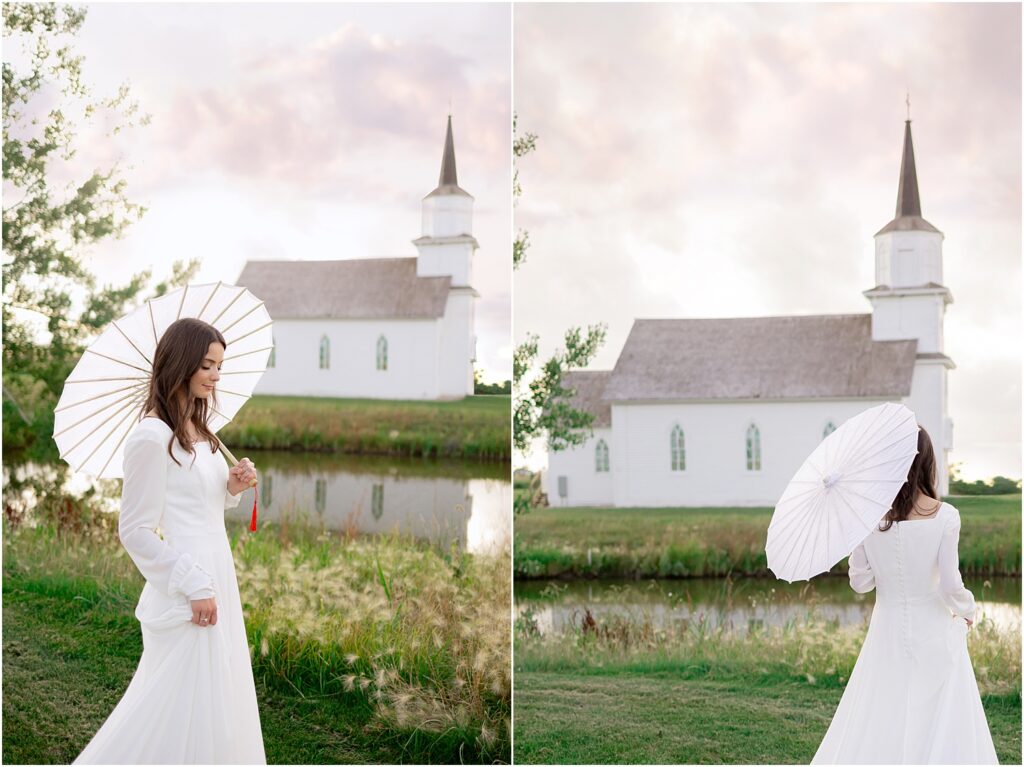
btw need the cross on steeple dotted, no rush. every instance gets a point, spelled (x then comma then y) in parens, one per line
(908, 105)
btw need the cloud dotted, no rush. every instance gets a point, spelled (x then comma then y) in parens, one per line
(736, 160)
(319, 114)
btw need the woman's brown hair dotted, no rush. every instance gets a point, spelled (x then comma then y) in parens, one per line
(179, 353)
(920, 481)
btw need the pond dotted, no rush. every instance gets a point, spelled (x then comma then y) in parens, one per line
(738, 604)
(460, 503)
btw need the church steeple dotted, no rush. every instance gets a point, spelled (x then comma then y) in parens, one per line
(908, 303)
(447, 244)
(908, 198)
(448, 180)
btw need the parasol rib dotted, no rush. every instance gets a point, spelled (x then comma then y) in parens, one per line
(94, 413)
(243, 354)
(852, 438)
(227, 391)
(877, 438)
(136, 348)
(182, 304)
(133, 387)
(114, 359)
(152, 322)
(112, 378)
(83, 439)
(811, 510)
(226, 328)
(114, 451)
(238, 295)
(795, 517)
(208, 300)
(257, 330)
(100, 443)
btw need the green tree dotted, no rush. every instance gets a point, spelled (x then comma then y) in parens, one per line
(521, 146)
(48, 227)
(541, 405)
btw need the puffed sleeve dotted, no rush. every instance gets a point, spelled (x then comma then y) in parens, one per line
(957, 597)
(862, 578)
(142, 503)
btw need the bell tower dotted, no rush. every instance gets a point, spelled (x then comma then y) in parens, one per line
(447, 244)
(909, 302)
(446, 248)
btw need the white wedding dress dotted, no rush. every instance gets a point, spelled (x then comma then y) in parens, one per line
(912, 697)
(192, 699)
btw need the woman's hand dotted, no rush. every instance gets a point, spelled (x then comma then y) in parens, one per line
(969, 622)
(241, 476)
(204, 612)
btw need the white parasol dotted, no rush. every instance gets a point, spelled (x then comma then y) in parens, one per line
(103, 397)
(842, 491)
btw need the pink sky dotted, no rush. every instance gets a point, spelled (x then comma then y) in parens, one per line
(736, 160)
(305, 131)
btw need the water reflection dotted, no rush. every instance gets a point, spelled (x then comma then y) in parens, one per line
(444, 502)
(436, 501)
(740, 606)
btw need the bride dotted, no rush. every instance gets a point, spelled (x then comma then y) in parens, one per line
(192, 699)
(912, 697)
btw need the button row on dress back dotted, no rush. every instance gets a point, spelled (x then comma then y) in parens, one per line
(904, 608)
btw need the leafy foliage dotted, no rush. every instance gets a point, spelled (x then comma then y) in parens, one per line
(52, 307)
(521, 146)
(541, 406)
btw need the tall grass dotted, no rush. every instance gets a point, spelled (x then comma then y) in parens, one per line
(809, 650)
(477, 427)
(417, 636)
(702, 542)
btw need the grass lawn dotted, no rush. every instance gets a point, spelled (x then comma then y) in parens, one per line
(67, 664)
(692, 542)
(617, 717)
(477, 427)
(364, 650)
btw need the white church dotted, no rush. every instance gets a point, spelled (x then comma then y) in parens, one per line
(722, 412)
(384, 328)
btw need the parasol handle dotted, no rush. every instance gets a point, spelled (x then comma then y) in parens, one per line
(234, 462)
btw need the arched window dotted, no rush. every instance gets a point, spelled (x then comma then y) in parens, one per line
(678, 446)
(273, 350)
(829, 428)
(601, 455)
(266, 492)
(321, 495)
(325, 353)
(382, 353)
(753, 448)
(377, 502)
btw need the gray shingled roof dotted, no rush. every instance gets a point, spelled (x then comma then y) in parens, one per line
(760, 358)
(369, 288)
(589, 386)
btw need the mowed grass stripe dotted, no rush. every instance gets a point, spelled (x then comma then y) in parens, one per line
(660, 719)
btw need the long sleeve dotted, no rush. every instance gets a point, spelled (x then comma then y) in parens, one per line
(862, 578)
(957, 597)
(142, 502)
(230, 501)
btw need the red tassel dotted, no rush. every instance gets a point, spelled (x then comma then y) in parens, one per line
(255, 500)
